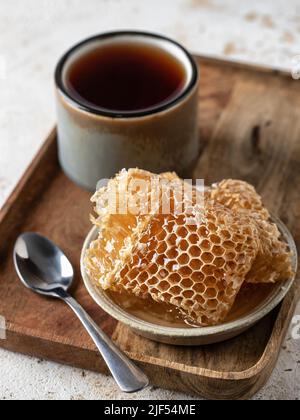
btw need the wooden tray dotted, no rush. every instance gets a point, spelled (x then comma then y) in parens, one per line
(250, 129)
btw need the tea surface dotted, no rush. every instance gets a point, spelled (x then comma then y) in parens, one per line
(126, 77)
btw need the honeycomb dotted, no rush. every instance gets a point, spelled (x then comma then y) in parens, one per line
(237, 196)
(117, 229)
(197, 267)
(273, 260)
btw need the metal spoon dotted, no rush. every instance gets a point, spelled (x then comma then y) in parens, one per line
(43, 268)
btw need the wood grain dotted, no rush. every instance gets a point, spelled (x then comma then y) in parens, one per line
(250, 129)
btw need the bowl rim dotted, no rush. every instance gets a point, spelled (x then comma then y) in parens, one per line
(240, 324)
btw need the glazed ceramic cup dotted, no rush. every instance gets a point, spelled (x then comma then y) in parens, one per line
(95, 144)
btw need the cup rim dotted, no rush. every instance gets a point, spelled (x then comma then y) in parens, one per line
(126, 114)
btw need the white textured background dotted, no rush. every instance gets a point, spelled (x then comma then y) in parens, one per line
(33, 34)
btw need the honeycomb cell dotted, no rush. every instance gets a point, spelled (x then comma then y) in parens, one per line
(189, 302)
(182, 232)
(163, 286)
(124, 271)
(221, 285)
(172, 266)
(153, 268)
(231, 255)
(188, 294)
(203, 232)
(181, 220)
(205, 245)
(212, 227)
(152, 281)
(218, 251)
(200, 299)
(144, 288)
(197, 277)
(208, 270)
(196, 264)
(143, 277)
(155, 292)
(192, 227)
(241, 258)
(163, 274)
(211, 293)
(159, 259)
(229, 244)
(169, 228)
(183, 259)
(133, 274)
(204, 319)
(132, 284)
(210, 281)
(218, 274)
(161, 249)
(175, 290)
(193, 239)
(232, 266)
(183, 245)
(126, 281)
(162, 235)
(207, 257)
(238, 247)
(221, 295)
(174, 278)
(194, 251)
(172, 239)
(225, 234)
(186, 283)
(177, 301)
(167, 297)
(212, 303)
(215, 239)
(185, 271)
(219, 262)
(199, 288)
(172, 253)
(238, 238)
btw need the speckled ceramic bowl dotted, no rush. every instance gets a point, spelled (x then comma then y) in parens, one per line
(193, 336)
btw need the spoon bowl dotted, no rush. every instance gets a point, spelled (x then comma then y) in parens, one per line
(41, 265)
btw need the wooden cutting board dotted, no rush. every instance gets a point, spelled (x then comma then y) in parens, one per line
(250, 129)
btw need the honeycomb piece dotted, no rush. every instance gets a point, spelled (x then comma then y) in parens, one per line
(117, 231)
(197, 268)
(239, 195)
(196, 260)
(273, 262)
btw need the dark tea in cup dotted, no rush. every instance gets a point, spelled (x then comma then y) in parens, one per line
(124, 77)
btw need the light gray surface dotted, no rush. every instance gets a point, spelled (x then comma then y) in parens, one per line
(34, 33)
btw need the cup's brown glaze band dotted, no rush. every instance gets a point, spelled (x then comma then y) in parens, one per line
(95, 144)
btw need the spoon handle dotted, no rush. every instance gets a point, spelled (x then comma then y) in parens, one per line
(127, 375)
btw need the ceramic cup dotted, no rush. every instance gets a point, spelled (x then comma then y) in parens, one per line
(95, 144)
